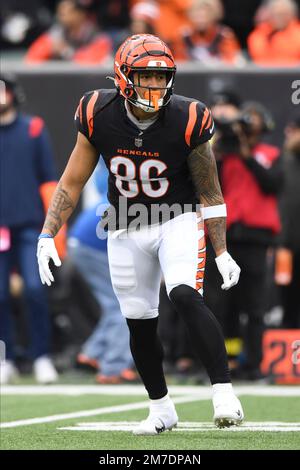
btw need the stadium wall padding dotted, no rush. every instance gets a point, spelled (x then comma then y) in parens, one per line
(53, 93)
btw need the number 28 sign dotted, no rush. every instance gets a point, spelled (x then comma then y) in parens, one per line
(282, 355)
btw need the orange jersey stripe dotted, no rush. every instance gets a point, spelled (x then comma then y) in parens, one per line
(191, 122)
(209, 122)
(205, 116)
(201, 264)
(90, 112)
(201, 260)
(80, 110)
(201, 243)
(200, 276)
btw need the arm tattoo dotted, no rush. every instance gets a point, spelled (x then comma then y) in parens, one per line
(203, 170)
(217, 233)
(60, 203)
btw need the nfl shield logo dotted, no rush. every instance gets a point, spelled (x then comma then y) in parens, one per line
(138, 142)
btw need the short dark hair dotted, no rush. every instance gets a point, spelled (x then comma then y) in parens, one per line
(13, 86)
(225, 96)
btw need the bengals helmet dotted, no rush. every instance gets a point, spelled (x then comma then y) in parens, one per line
(140, 53)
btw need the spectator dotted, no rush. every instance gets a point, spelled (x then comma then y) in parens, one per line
(113, 18)
(207, 40)
(27, 182)
(288, 255)
(240, 17)
(251, 176)
(171, 17)
(74, 37)
(113, 15)
(108, 346)
(22, 22)
(276, 42)
(143, 18)
(225, 106)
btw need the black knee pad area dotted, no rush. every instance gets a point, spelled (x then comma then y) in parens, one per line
(182, 296)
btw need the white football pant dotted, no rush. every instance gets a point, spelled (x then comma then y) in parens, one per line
(138, 259)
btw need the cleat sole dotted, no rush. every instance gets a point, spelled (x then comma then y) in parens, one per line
(227, 422)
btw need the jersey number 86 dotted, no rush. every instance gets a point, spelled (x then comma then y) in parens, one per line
(134, 182)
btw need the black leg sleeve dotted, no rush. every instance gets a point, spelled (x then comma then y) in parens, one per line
(147, 353)
(204, 330)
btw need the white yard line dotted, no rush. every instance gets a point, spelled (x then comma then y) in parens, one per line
(192, 393)
(186, 426)
(116, 390)
(95, 412)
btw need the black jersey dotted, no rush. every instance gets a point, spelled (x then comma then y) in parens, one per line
(145, 167)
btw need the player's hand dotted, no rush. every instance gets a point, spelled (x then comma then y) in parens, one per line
(228, 269)
(45, 251)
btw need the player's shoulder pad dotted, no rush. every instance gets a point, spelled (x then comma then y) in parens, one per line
(92, 103)
(199, 125)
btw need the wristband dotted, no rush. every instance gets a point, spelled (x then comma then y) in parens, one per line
(211, 212)
(44, 235)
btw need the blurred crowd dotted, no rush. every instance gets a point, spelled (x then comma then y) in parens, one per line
(79, 319)
(265, 32)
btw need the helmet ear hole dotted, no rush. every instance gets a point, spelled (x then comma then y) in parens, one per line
(128, 91)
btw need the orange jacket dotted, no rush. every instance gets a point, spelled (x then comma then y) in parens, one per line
(269, 47)
(220, 42)
(94, 53)
(172, 17)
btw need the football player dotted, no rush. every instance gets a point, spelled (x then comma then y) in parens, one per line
(156, 148)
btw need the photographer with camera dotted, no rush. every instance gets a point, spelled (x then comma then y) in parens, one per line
(251, 175)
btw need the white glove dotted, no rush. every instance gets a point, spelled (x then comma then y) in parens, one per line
(45, 251)
(228, 269)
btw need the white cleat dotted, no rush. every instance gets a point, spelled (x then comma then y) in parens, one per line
(228, 410)
(44, 371)
(8, 372)
(159, 420)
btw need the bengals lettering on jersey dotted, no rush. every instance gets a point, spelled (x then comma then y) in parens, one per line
(149, 166)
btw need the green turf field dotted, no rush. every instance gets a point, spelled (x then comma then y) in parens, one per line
(104, 418)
